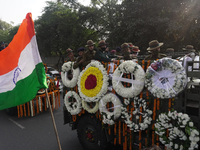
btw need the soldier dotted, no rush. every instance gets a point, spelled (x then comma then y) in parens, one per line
(89, 54)
(113, 53)
(154, 48)
(170, 52)
(70, 55)
(135, 52)
(79, 59)
(102, 46)
(126, 51)
(101, 55)
(190, 56)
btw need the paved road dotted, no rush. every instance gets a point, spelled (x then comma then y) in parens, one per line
(36, 133)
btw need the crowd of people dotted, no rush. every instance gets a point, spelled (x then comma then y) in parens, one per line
(127, 51)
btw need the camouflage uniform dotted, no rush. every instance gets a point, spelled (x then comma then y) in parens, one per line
(154, 57)
(88, 56)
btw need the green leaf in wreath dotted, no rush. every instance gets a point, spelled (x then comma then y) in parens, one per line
(187, 130)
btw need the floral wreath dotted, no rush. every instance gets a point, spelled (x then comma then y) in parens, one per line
(135, 124)
(75, 72)
(87, 107)
(137, 84)
(93, 82)
(165, 78)
(182, 133)
(109, 117)
(73, 107)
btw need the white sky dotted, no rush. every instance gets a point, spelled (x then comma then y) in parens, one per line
(16, 10)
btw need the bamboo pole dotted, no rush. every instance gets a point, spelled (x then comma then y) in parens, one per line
(53, 120)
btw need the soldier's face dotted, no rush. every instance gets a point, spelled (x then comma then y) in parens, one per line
(81, 53)
(91, 47)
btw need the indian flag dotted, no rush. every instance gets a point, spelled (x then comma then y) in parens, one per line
(22, 72)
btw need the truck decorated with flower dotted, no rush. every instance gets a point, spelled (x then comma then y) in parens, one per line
(132, 105)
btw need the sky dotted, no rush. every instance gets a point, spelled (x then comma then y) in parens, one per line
(15, 10)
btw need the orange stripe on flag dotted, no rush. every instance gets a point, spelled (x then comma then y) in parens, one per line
(10, 55)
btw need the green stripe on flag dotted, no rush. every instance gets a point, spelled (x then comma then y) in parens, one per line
(25, 90)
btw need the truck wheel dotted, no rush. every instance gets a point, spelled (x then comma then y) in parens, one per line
(91, 134)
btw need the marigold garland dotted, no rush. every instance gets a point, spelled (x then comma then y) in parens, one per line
(94, 72)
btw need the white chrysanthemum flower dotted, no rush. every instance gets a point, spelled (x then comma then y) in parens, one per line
(176, 146)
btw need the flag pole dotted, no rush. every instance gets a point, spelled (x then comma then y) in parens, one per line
(53, 120)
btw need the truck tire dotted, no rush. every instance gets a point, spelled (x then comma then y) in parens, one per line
(91, 134)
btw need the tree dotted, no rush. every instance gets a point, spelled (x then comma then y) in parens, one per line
(139, 21)
(69, 24)
(4, 31)
(59, 28)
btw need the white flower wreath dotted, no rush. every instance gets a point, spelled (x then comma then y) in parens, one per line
(135, 124)
(128, 67)
(165, 78)
(86, 106)
(75, 72)
(109, 117)
(97, 71)
(73, 108)
(182, 134)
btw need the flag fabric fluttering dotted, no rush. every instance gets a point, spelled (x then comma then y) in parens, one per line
(22, 72)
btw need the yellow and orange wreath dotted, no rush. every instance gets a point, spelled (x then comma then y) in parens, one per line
(93, 82)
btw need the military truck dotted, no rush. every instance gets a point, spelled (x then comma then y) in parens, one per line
(133, 105)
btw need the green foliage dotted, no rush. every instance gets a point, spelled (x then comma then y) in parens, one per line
(4, 31)
(176, 23)
(59, 28)
(12, 33)
(66, 23)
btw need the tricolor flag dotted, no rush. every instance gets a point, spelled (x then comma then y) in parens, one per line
(22, 72)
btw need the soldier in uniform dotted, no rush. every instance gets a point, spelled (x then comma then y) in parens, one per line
(79, 59)
(70, 55)
(135, 52)
(89, 54)
(154, 48)
(101, 55)
(126, 51)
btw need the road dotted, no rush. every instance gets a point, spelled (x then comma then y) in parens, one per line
(36, 133)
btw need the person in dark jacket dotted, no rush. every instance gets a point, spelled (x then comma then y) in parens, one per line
(100, 53)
